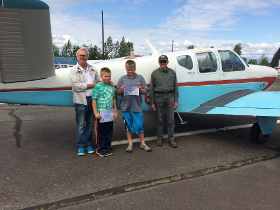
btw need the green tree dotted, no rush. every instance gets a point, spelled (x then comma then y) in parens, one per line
(238, 49)
(55, 51)
(129, 47)
(109, 48)
(190, 47)
(253, 61)
(263, 60)
(245, 59)
(125, 48)
(66, 49)
(116, 49)
(95, 53)
(75, 48)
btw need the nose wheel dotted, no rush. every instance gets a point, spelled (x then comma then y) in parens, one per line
(256, 135)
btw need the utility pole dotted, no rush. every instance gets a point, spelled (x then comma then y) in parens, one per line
(102, 36)
(172, 45)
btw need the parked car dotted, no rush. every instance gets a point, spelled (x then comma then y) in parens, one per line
(59, 66)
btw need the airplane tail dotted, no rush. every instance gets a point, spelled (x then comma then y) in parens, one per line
(275, 59)
(154, 51)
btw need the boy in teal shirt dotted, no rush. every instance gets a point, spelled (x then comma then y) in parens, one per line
(104, 103)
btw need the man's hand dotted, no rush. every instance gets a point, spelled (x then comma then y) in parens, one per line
(139, 85)
(153, 107)
(89, 86)
(175, 105)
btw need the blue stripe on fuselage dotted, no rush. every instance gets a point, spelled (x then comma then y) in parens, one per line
(190, 97)
(52, 98)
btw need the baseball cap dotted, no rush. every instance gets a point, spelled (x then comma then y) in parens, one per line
(163, 58)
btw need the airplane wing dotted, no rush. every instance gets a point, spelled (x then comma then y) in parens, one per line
(243, 102)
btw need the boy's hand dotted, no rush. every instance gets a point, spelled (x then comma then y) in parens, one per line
(111, 83)
(122, 88)
(98, 116)
(139, 85)
(115, 114)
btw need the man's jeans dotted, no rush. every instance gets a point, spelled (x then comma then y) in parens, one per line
(165, 101)
(84, 119)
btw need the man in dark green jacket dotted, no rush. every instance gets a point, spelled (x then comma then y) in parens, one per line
(164, 94)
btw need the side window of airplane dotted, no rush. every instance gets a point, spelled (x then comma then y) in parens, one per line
(207, 62)
(230, 62)
(185, 61)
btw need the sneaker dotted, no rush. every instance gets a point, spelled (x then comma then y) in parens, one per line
(90, 150)
(145, 148)
(81, 152)
(102, 154)
(129, 149)
(110, 152)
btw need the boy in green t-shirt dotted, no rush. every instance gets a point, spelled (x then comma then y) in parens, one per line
(104, 107)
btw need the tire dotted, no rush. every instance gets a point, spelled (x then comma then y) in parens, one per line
(256, 134)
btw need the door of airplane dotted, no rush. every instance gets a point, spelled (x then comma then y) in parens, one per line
(207, 75)
(186, 78)
(232, 72)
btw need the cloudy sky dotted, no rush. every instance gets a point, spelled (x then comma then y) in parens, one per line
(202, 23)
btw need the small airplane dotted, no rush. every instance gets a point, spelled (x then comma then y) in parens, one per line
(211, 81)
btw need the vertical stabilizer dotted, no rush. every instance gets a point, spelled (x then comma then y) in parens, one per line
(154, 51)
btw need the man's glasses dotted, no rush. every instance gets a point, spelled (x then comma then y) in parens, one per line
(162, 61)
(84, 56)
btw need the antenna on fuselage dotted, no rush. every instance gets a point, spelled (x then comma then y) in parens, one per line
(154, 51)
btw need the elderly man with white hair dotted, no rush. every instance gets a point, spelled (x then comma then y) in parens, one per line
(83, 77)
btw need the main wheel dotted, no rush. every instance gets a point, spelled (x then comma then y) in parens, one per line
(256, 134)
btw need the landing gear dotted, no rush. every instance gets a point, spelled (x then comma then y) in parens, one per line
(256, 134)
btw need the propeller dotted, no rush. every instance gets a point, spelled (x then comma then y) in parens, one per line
(275, 59)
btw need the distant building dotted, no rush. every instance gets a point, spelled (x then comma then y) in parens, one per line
(65, 60)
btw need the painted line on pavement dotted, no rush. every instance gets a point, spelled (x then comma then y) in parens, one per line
(151, 183)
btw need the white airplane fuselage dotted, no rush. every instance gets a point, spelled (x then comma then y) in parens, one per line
(195, 87)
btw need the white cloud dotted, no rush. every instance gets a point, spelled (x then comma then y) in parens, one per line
(187, 43)
(64, 5)
(207, 15)
(60, 40)
(256, 50)
(192, 24)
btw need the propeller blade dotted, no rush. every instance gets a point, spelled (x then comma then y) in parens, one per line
(275, 59)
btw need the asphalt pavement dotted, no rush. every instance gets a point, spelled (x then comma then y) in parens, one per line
(214, 167)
